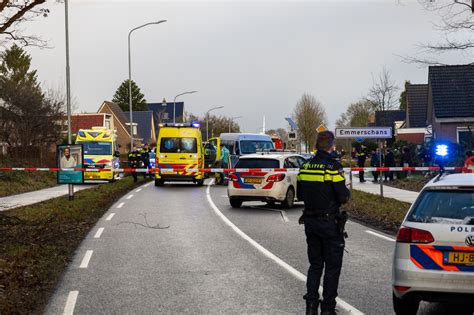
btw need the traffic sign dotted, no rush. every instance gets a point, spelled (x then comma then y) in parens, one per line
(370, 132)
(321, 128)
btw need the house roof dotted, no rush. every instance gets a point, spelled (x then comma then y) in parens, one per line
(452, 90)
(166, 112)
(144, 124)
(118, 112)
(388, 118)
(417, 99)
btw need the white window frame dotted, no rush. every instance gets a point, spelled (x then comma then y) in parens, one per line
(461, 129)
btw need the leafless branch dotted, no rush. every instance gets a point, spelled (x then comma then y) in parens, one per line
(146, 225)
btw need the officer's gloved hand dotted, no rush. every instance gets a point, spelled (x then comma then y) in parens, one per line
(301, 219)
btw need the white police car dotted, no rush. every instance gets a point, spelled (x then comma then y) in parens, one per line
(268, 184)
(434, 253)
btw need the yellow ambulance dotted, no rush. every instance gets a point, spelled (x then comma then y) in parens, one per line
(100, 151)
(179, 147)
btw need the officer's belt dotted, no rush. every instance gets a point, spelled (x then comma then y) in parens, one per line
(320, 213)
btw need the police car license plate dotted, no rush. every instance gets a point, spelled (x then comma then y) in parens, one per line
(252, 180)
(460, 258)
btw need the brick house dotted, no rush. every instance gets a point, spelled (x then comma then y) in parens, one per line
(120, 122)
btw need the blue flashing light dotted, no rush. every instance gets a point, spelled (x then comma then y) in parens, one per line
(441, 150)
(196, 125)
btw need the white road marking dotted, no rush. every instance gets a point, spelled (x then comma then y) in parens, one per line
(380, 236)
(138, 190)
(110, 217)
(298, 275)
(70, 303)
(283, 215)
(129, 197)
(86, 259)
(99, 232)
(147, 184)
(120, 205)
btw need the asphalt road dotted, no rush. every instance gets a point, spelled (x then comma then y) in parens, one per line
(201, 264)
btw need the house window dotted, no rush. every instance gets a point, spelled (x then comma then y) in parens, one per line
(107, 123)
(465, 136)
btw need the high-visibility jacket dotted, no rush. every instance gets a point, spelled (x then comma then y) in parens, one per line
(134, 158)
(322, 185)
(469, 164)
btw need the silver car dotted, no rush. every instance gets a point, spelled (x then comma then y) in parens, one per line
(434, 252)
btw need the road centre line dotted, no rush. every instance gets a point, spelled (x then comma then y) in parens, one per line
(298, 275)
(70, 303)
(110, 217)
(129, 197)
(380, 236)
(99, 232)
(120, 205)
(86, 259)
(138, 190)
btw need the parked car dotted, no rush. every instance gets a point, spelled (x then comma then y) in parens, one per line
(268, 183)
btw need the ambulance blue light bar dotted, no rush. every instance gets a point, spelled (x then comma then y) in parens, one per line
(193, 125)
(442, 150)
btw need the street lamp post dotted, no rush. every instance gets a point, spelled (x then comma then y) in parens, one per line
(174, 103)
(232, 120)
(68, 89)
(130, 77)
(207, 120)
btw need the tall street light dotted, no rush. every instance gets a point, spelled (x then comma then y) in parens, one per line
(207, 120)
(232, 120)
(174, 103)
(130, 77)
(68, 89)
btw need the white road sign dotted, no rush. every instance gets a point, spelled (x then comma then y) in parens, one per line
(370, 132)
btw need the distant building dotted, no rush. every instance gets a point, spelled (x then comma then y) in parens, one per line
(164, 113)
(146, 131)
(120, 124)
(451, 102)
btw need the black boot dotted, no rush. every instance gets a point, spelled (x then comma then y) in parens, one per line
(312, 308)
(333, 312)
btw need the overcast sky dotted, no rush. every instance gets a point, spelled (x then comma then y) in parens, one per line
(253, 58)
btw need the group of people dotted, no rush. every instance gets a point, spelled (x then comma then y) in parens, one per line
(381, 160)
(140, 158)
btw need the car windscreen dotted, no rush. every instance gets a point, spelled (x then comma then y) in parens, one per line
(257, 163)
(178, 145)
(444, 206)
(252, 146)
(97, 148)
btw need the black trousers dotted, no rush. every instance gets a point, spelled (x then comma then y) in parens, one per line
(325, 252)
(361, 176)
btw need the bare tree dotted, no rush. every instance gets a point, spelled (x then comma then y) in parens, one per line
(457, 21)
(309, 114)
(357, 114)
(383, 93)
(15, 12)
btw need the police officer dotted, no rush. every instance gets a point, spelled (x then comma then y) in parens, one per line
(145, 154)
(361, 156)
(134, 158)
(321, 184)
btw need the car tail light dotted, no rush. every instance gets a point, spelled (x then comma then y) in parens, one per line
(276, 177)
(233, 178)
(400, 288)
(411, 235)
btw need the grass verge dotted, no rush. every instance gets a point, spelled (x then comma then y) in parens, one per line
(17, 182)
(386, 214)
(37, 243)
(413, 183)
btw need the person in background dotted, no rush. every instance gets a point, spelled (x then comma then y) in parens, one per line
(375, 162)
(134, 159)
(469, 162)
(145, 155)
(406, 160)
(224, 162)
(361, 156)
(389, 162)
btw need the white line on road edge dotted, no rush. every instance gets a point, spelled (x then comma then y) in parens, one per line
(147, 185)
(86, 259)
(120, 205)
(298, 275)
(70, 303)
(129, 197)
(380, 236)
(110, 217)
(99, 232)
(138, 190)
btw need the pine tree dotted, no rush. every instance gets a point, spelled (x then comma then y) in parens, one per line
(122, 99)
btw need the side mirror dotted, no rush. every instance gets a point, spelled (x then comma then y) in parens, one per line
(117, 154)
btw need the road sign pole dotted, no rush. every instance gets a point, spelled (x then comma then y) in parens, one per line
(350, 167)
(380, 164)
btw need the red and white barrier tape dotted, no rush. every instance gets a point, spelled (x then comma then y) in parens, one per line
(226, 170)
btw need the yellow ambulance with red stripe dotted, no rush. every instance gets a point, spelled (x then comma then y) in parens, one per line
(100, 152)
(179, 147)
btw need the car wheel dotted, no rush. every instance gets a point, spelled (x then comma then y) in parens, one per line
(200, 182)
(405, 306)
(159, 182)
(235, 203)
(289, 199)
